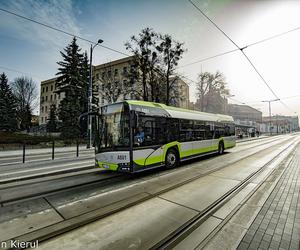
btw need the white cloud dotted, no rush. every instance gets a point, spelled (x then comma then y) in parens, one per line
(59, 14)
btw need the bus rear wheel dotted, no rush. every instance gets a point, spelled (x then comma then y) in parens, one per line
(171, 160)
(221, 148)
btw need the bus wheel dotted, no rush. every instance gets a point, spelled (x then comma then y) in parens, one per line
(171, 159)
(221, 148)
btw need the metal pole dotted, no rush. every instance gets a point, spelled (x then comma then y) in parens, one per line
(90, 94)
(53, 150)
(77, 148)
(270, 116)
(23, 152)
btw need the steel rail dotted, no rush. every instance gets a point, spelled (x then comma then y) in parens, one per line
(181, 233)
(99, 213)
(70, 188)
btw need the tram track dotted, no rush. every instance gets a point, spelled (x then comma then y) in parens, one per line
(181, 233)
(61, 173)
(89, 216)
(100, 179)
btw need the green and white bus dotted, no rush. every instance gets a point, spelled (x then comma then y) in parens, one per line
(134, 136)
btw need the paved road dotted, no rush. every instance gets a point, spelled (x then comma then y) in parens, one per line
(173, 198)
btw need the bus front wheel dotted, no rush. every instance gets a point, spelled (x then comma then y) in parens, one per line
(221, 148)
(171, 159)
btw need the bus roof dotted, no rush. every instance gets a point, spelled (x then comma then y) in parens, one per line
(183, 113)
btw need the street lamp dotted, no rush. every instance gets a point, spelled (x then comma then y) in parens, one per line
(269, 101)
(90, 94)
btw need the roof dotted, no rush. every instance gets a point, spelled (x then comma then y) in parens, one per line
(236, 108)
(52, 80)
(183, 113)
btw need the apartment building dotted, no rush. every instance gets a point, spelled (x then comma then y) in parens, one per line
(279, 124)
(117, 71)
(47, 98)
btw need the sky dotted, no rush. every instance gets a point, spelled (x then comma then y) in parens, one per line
(32, 50)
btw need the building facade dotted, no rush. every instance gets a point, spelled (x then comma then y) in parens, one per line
(48, 97)
(279, 124)
(244, 114)
(117, 72)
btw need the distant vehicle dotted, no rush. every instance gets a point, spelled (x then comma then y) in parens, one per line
(134, 136)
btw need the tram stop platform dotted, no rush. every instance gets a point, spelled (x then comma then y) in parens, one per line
(269, 219)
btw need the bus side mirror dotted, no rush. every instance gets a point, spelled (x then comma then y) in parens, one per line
(133, 119)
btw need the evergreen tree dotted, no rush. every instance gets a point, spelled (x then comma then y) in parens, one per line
(52, 121)
(72, 80)
(8, 121)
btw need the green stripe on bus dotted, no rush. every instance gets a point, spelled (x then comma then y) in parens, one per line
(112, 166)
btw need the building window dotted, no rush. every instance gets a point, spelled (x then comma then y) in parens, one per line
(42, 109)
(51, 87)
(43, 90)
(124, 70)
(54, 96)
(46, 98)
(58, 96)
(46, 109)
(51, 98)
(42, 100)
(42, 119)
(47, 89)
(109, 73)
(97, 76)
(116, 72)
(103, 75)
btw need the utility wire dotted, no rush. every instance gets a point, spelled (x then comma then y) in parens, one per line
(245, 47)
(272, 37)
(20, 72)
(202, 60)
(213, 23)
(241, 49)
(261, 77)
(208, 58)
(61, 31)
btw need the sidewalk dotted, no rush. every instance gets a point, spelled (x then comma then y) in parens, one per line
(277, 225)
(38, 151)
(252, 138)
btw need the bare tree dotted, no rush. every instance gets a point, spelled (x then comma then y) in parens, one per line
(26, 94)
(112, 86)
(210, 88)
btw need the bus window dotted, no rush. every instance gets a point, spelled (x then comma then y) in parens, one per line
(219, 131)
(186, 130)
(150, 131)
(209, 130)
(199, 130)
(172, 130)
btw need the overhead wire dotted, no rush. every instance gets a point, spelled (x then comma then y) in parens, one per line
(244, 47)
(20, 72)
(61, 31)
(241, 49)
(201, 60)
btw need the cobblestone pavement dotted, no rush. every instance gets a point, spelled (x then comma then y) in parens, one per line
(277, 225)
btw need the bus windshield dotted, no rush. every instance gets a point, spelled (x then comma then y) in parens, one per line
(114, 127)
